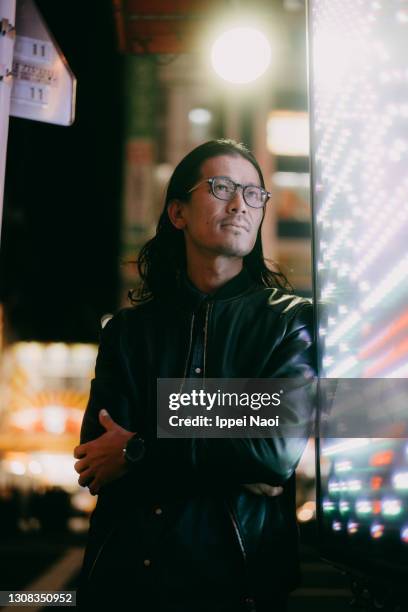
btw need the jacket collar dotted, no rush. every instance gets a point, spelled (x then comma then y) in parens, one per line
(192, 298)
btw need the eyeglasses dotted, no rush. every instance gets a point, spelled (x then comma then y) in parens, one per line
(225, 188)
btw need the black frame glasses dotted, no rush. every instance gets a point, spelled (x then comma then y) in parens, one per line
(231, 189)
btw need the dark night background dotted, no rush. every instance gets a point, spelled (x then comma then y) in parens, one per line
(59, 254)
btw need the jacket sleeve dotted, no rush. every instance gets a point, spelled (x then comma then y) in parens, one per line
(271, 460)
(107, 389)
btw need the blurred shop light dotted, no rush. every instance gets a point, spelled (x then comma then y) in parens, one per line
(404, 534)
(377, 530)
(81, 359)
(54, 418)
(306, 512)
(400, 480)
(292, 180)
(288, 133)
(57, 469)
(56, 358)
(16, 467)
(391, 507)
(352, 527)
(241, 55)
(83, 501)
(51, 469)
(34, 467)
(78, 524)
(28, 353)
(25, 419)
(200, 116)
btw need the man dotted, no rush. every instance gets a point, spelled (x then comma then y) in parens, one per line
(204, 524)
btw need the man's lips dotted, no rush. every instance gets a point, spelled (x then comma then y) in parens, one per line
(230, 223)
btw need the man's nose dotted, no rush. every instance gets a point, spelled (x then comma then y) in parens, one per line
(237, 201)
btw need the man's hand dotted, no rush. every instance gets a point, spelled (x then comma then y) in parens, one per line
(261, 488)
(102, 460)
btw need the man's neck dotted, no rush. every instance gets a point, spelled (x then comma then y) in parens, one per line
(208, 276)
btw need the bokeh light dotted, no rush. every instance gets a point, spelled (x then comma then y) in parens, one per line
(241, 55)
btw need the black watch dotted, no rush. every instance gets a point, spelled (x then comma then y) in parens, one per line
(134, 450)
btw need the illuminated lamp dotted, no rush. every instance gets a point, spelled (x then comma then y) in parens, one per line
(241, 55)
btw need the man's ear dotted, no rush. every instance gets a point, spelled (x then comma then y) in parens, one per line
(175, 210)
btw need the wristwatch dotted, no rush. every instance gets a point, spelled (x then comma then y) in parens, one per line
(134, 450)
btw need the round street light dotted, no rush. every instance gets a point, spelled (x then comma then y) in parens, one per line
(241, 55)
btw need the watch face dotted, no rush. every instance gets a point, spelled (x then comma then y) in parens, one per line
(135, 449)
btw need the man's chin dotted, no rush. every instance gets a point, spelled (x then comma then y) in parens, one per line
(230, 250)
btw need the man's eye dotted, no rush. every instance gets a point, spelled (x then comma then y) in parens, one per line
(222, 187)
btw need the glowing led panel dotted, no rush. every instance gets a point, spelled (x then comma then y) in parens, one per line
(358, 53)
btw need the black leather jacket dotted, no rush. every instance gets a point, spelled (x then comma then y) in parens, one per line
(250, 331)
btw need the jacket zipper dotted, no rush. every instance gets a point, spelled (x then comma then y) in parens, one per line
(229, 509)
(230, 512)
(207, 315)
(188, 352)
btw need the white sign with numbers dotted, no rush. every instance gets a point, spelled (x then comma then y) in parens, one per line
(43, 85)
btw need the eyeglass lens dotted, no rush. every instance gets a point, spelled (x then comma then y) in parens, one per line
(224, 189)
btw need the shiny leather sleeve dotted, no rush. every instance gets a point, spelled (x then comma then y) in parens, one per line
(270, 460)
(107, 390)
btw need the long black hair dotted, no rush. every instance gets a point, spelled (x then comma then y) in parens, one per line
(163, 257)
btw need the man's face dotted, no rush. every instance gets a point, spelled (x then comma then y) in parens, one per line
(217, 226)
